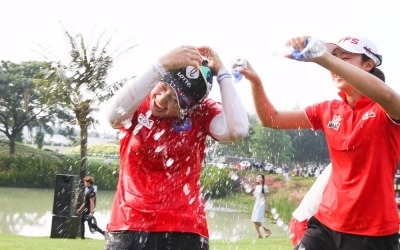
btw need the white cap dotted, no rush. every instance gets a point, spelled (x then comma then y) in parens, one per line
(358, 45)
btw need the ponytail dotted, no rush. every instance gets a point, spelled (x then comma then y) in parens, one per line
(375, 71)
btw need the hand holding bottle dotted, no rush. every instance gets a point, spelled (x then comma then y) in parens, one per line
(238, 62)
(305, 48)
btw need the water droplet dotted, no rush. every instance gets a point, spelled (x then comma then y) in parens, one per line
(186, 189)
(158, 134)
(121, 135)
(209, 204)
(169, 162)
(247, 188)
(137, 128)
(279, 222)
(234, 176)
(159, 149)
(127, 124)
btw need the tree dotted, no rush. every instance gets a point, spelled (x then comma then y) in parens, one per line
(272, 145)
(236, 149)
(262, 143)
(309, 145)
(69, 133)
(20, 103)
(39, 138)
(80, 86)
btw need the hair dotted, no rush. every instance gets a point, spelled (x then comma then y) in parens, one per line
(375, 71)
(263, 182)
(89, 179)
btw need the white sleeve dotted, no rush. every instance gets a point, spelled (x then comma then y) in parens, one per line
(309, 205)
(127, 100)
(232, 124)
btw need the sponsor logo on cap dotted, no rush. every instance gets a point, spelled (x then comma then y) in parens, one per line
(356, 41)
(192, 72)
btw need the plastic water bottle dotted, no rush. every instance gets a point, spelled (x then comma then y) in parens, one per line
(238, 62)
(314, 48)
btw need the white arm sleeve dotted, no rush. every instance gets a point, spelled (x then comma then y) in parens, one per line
(232, 124)
(126, 101)
(309, 205)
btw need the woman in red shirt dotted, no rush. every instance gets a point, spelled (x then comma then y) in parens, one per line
(164, 118)
(357, 209)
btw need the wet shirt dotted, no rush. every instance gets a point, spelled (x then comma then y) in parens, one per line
(364, 147)
(160, 167)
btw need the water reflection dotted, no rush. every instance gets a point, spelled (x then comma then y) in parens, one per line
(29, 212)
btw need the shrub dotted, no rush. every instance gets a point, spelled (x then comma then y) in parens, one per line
(37, 172)
(216, 182)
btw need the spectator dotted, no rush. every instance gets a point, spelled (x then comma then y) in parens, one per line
(88, 207)
(260, 206)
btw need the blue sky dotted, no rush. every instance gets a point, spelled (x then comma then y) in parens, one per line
(253, 29)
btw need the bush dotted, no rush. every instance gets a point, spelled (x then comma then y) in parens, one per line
(33, 171)
(216, 182)
(37, 172)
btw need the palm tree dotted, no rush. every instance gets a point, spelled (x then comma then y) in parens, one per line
(80, 86)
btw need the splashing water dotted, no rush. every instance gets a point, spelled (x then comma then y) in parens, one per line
(169, 162)
(127, 124)
(186, 189)
(159, 149)
(234, 176)
(280, 223)
(121, 135)
(158, 134)
(247, 188)
(209, 204)
(137, 128)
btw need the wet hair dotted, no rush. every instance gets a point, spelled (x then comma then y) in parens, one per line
(375, 71)
(263, 183)
(89, 179)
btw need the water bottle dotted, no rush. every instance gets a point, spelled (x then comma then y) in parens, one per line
(314, 48)
(238, 62)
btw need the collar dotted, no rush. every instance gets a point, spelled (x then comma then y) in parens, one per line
(364, 101)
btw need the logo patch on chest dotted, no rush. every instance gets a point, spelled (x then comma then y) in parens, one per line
(335, 122)
(185, 125)
(143, 120)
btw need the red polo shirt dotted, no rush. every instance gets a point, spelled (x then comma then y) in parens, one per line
(159, 177)
(364, 145)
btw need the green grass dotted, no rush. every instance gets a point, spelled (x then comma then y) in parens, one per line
(11, 242)
(25, 150)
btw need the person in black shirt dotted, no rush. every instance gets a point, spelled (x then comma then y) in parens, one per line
(88, 207)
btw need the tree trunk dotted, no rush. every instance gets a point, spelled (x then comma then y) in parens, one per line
(83, 168)
(12, 145)
(84, 133)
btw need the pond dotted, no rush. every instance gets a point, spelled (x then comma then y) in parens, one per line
(29, 212)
